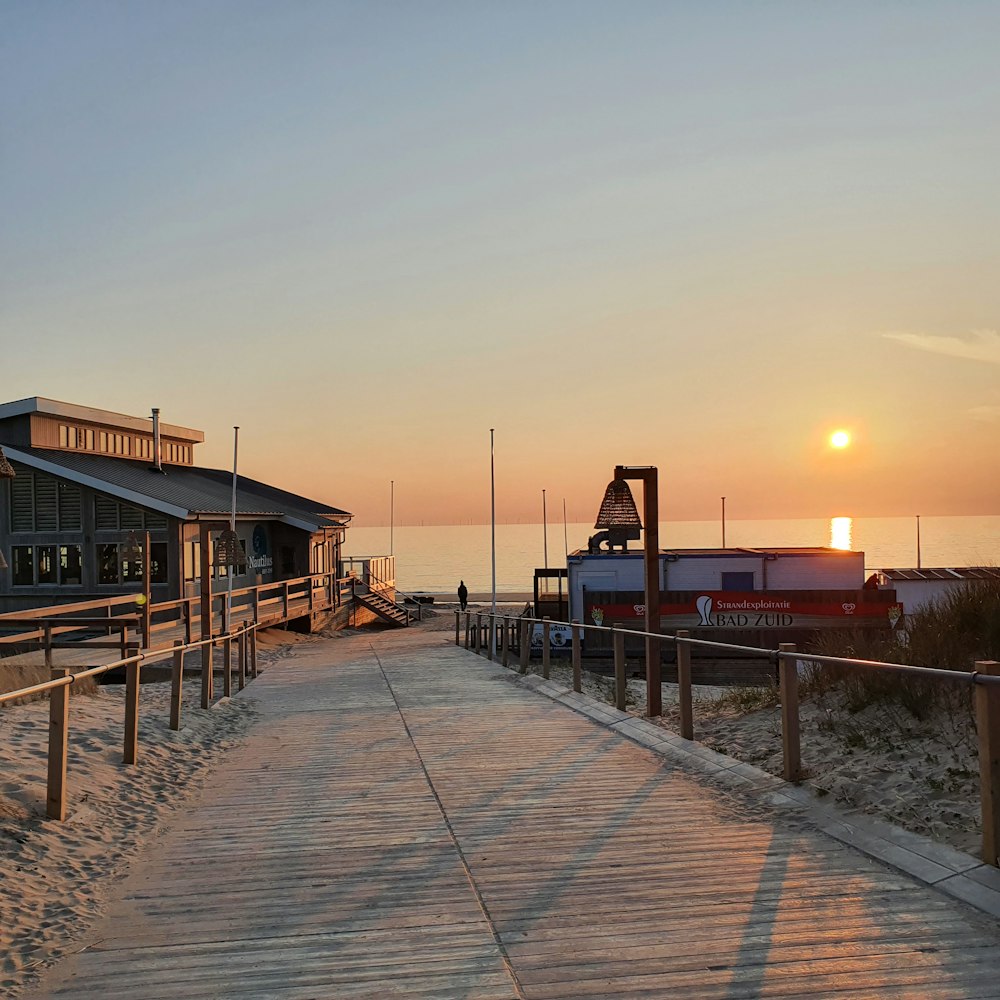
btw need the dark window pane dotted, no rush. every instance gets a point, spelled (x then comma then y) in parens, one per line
(155, 522)
(131, 518)
(45, 556)
(158, 562)
(70, 565)
(737, 581)
(132, 571)
(46, 503)
(22, 571)
(107, 563)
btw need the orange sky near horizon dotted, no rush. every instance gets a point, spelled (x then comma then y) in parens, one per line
(701, 237)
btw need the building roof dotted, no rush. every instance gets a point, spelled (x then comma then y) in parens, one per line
(181, 491)
(94, 415)
(959, 573)
(730, 553)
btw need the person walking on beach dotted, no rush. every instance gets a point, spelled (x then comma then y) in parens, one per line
(463, 594)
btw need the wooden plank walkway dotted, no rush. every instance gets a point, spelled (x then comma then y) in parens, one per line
(402, 821)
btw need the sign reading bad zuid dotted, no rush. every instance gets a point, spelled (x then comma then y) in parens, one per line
(725, 609)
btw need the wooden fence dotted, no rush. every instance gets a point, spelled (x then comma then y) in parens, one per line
(502, 636)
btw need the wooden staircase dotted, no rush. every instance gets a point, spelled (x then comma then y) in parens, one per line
(387, 610)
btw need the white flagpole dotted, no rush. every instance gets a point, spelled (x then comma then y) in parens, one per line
(493, 545)
(232, 527)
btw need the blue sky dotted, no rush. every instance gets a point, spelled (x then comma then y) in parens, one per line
(693, 235)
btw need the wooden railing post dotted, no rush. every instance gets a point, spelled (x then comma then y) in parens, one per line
(479, 632)
(577, 665)
(124, 642)
(241, 658)
(458, 621)
(504, 641)
(147, 594)
(788, 680)
(524, 645)
(684, 685)
(253, 652)
(177, 685)
(546, 648)
(47, 645)
(468, 629)
(205, 617)
(186, 612)
(285, 600)
(131, 745)
(491, 630)
(618, 645)
(55, 797)
(227, 669)
(254, 600)
(988, 727)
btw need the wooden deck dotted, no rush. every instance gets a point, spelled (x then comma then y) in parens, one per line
(403, 821)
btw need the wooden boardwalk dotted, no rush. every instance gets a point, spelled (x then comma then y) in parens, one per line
(404, 822)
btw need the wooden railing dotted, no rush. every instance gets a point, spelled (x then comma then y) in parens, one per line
(59, 686)
(502, 636)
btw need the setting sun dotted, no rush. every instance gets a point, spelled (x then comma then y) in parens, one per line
(840, 439)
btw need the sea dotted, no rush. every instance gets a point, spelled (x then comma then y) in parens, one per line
(433, 559)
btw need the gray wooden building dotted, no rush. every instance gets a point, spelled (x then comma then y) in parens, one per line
(85, 477)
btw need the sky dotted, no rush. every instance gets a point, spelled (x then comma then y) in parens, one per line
(695, 235)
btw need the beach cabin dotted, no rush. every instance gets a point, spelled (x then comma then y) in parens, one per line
(86, 477)
(915, 588)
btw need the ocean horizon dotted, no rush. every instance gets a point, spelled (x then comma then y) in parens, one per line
(433, 558)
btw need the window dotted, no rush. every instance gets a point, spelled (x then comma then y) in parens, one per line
(70, 565)
(45, 562)
(113, 516)
(89, 439)
(158, 562)
(192, 562)
(74, 437)
(22, 572)
(70, 507)
(107, 564)
(63, 436)
(103, 438)
(737, 581)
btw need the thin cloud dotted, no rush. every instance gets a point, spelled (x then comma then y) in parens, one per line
(986, 414)
(980, 345)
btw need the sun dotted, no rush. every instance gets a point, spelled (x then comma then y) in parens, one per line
(840, 439)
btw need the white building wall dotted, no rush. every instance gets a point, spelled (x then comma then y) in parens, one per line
(839, 571)
(915, 594)
(705, 573)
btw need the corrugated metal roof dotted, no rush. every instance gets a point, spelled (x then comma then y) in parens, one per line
(181, 491)
(957, 573)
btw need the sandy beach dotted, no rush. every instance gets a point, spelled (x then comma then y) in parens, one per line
(55, 877)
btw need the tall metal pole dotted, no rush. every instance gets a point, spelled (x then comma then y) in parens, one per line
(392, 504)
(565, 531)
(545, 531)
(723, 522)
(918, 541)
(232, 527)
(493, 547)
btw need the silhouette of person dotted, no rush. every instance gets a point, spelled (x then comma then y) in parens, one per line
(463, 594)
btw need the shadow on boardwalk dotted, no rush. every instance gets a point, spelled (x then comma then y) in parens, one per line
(401, 822)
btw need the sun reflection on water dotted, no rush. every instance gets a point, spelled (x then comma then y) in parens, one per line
(840, 533)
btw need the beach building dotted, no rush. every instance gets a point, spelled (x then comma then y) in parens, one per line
(86, 477)
(915, 588)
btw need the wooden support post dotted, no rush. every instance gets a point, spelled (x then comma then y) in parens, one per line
(618, 644)
(147, 593)
(55, 797)
(988, 727)
(468, 629)
(577, 665)
(546, 649)
(241, 658)
(479, 632)
(285, 601)
(186, 612)
(227, 669)
(205, 617)
(491, 627)
(253, 652)
(684, 685)
(124, 642)
(47, 645)
(254, 601)
(458, 622)
(130, 750)
(524, 645)
(788, 680)
(505, 641)
(177, 685)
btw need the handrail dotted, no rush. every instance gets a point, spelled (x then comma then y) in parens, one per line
(397, 590)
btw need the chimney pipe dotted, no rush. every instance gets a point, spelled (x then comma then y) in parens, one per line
(157, 464)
